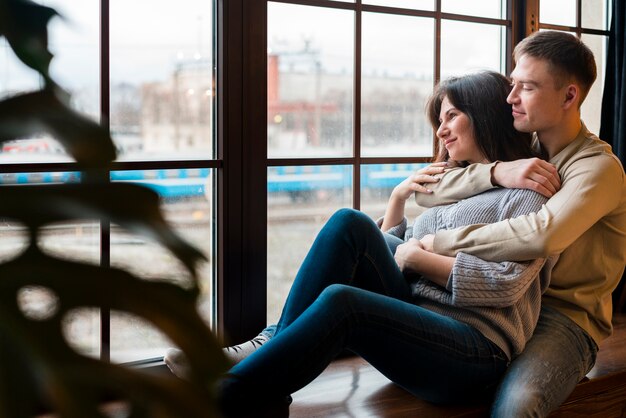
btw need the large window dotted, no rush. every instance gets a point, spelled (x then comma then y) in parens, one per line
(148, 71)
(345, 107)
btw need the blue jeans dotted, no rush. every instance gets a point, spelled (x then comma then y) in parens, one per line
(556, 358)
(350, 294)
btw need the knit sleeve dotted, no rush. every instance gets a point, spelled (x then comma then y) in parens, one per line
(476, 282)
(397, 230)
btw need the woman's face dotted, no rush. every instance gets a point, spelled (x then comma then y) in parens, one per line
(457, 134)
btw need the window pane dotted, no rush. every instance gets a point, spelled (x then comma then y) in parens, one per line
(162, 79)
(186, 196)
(558, 12)
(15, 77)
(485, 8)
(310, 81)
(595, 14)
(377, 183)
(397, 79)
(405, 4)
(300, 200)
(74, 43)
(590, 110)
(13, 239)
(462, 53)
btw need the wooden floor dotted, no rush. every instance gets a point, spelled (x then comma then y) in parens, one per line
(352, 388)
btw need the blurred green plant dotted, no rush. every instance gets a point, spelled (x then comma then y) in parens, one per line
(37, 366)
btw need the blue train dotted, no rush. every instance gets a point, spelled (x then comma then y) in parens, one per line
(293, 180)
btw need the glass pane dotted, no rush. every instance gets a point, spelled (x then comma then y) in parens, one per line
(14, 238)
(485, 8)
(558, 12)
(76, 240)
(310, 81)
(15, 77)
(74, 43)
(405, 4)
(300, 200)
(377, 183)
(186, 196)
(590, 110)
(397, 79)
(162, 76)
(460, 53)
(595, 14)
(81, 328)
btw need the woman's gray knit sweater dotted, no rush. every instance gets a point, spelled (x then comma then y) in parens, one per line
(501, 300)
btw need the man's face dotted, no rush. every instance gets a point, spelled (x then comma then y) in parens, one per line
(537, 103)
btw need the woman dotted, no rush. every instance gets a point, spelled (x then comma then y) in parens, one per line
(445, 337)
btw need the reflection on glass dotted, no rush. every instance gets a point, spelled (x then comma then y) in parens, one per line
(310, 81)
(460, 53)
(74, 43)
(397, 79)
(186, 202)
(162, 88)
(300, 200)
(405, 4)
(377, 183)
(561, 12)
(595, 14)
(590, 110)
(495, 9)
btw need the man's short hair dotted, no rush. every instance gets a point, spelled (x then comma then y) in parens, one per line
(568, 57)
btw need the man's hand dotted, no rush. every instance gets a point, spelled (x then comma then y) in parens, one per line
(428, 243)
(531, 173)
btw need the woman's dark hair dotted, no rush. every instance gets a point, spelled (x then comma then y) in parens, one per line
(482, 97)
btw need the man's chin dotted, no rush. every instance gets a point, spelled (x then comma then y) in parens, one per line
(522, 126)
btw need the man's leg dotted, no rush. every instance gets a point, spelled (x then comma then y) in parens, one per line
(555, 359)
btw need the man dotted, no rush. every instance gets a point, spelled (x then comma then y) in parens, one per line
(584, 221)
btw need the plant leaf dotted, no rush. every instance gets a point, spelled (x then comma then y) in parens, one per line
(68, 374)
(30, 114)
(24, 24)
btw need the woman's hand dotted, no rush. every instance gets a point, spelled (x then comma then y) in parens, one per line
(394, 213)
(409, 254)
(417, 182)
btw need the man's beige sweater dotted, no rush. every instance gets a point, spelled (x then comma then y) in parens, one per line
(585, 222)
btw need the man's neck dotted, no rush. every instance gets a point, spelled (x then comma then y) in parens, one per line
(556, 139)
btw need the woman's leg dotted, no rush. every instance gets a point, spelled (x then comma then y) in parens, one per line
(430, 355)
(350, 249)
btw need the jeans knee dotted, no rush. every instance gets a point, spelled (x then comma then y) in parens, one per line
(337, 295)
(352, 221)
(521, 401)
(348, 216)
